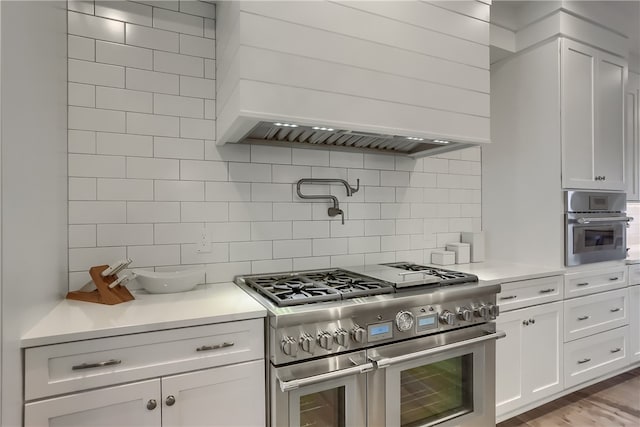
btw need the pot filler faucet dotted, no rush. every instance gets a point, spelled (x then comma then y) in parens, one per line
(335, 209)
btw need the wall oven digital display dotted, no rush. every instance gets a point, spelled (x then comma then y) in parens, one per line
(380, 331)
(426, 323)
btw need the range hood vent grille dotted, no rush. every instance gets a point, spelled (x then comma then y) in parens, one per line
(307, 137)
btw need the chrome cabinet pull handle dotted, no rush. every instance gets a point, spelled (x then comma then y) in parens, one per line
(509, 297)
(215, 346)
(584, 360)
(613, 278)
(152, 404)
(582, 284)
(583, 317)
(613, 310)
(170, 400)
(615, 350)
(546, 291)
(96, 365)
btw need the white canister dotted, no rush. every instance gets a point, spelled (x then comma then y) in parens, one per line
(443, 257)
(476, 240)
(462, 251)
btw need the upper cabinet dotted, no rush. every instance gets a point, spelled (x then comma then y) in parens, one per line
(592, 118)
(632, 137)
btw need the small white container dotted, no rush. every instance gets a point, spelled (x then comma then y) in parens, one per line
(462, 251)
(476, 240)
(443, 257)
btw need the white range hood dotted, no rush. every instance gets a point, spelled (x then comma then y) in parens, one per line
(388, 77)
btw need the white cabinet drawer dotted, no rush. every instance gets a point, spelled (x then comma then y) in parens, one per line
(63, 368)
(634, 274)
(590, 357)
(595, 313)
(525, 293)
(590, 282)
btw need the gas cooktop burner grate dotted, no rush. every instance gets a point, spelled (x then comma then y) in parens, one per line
(316, 286)
(447, 277)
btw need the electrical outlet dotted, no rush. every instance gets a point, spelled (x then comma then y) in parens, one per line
(204, 246)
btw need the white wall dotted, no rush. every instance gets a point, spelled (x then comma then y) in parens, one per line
(34, 157)
(145, 175)
(633, 232)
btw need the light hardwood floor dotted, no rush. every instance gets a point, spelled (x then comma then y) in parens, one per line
(614, 402)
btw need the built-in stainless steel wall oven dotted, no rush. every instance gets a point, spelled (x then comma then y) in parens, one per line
(391, 347)
(595, 227)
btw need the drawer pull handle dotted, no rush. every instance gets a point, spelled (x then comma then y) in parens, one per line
(584, 360)
(582, 284)
(583, 317)
(615, 350)
(96, 365)
(152, 404)
(215, 346)
(170, 400)
(509, 297)
(546, 291)
(613, 278)
(613, 310)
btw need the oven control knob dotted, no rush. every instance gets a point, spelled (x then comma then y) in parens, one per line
(404, 320)
(341, 337)
(307, 343)
(464, 313)
(482, 311)
(325, 340)
(494, 310)
(447, 317)
(358, 334)
(289, 346)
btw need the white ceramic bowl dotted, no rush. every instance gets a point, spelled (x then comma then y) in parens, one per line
(157, 282)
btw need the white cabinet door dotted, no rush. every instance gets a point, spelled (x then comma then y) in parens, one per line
(227, 396)
(634, 323)
(592, 110)
(134, 405)
(529, 358)
(632, 136)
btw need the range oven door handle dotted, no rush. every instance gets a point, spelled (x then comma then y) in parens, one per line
(604, 219)
(388, 361)
(297, 383)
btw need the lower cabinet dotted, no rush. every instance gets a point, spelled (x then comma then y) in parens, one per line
(634, 323)
(217, 396)
(529, 359)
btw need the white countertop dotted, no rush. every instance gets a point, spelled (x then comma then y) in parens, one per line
(76, 320)
(496, 272)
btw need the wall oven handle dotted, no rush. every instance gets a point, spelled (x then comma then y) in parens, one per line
(385, 362)
(301, 382)
(604, 219)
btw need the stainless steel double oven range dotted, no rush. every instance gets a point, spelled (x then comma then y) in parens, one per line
(397, 344)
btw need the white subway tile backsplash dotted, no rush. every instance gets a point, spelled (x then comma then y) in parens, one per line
(210, 28)
(197, 128)
(409, 226)
(310, 229)
(178, 22)
(96, 74)
(209, 109)
(332, 246)
(291, 211)
(178, 64)
(197, 46)
(198, 170)
(204, 211)
(82, 259)
(81, 118)
(124, 145)
(379, 194)
(438, 195)
(125, 11)
(83, 6)
(362, 211)
(120, 54)
(271, 230)
(348, 229)
(311, 263)
(173, 233)
(358, 245)
(152, 38)
(321, 172)
(291, 248)
(250, 211)
(395, 243)
(268, 154)
(379, 257)
(148, 256)
(152, 212)
(81, 95)
(444, 238)
(473, 154)
(339, 159)
(249, 251)
(197, 87)
(97, 212)
(249, 172)
(151, 124)
(462, 167)
(379, 161)
(96, 166)
(164, 4)
(124, 100)
(82, 236)
(209, 69)
(394, 178)
(95, 27)
(228, 191)
(409, 195)
(347, 260)
(178, 148)
(82, 189)
(219, 252)
(366, 177)
(81, 48)
(183, 191)
(395, 210)
(227, 152)
(271, 192)
(225, 272)
(270, 266)
(229, 231)
(460, 224)
(423, 180)
(384, 227)
(473, 210)
(125, 189)
(436, 165)
(181, 106)
(289, 174)
(152, 81)
(409, 164)
(125, 234)
(206, 10)
(310, 157)
(150, 168)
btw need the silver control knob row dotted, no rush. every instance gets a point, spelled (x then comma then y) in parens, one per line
(464, 313)
(289, 346)
(358, 333)
(447, 317)
(341, 337)
(307, 343)
(325, 340)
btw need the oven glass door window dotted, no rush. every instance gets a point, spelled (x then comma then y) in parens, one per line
(437, 391)
(323, 408)
(594, 239)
